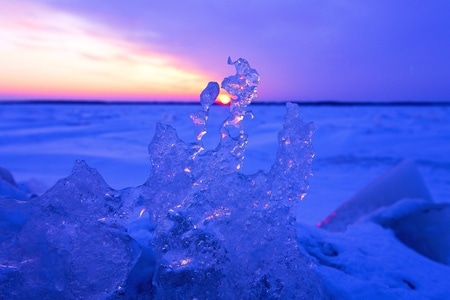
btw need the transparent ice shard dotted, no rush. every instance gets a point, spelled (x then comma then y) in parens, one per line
(211, 219)
(199, 118)
(242, 87)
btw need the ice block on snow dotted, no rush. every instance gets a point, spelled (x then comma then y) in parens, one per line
(401, 182)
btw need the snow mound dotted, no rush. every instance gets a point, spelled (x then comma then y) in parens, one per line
(369, 262)
(420, 225)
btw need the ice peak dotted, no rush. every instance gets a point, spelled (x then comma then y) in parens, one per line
(242, 85)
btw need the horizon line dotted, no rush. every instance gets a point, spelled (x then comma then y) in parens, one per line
(175, 102)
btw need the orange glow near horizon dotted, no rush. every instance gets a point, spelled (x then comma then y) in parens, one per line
(223, 99)
(48, 54)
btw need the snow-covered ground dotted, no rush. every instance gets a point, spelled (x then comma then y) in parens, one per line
(353, 144)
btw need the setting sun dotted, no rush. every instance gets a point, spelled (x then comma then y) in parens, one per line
(223, 99)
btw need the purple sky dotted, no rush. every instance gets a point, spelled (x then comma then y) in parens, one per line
(304, 50)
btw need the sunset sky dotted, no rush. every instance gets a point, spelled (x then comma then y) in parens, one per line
(310, 50)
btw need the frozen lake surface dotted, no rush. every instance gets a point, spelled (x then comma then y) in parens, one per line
(353, 144)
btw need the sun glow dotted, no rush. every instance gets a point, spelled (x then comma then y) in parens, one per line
(223, 99)
(50, 54)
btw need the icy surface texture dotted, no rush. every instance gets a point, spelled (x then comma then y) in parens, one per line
(242, 88)
(65, 247)
(207, 98)
(220, 234)
(197, 229)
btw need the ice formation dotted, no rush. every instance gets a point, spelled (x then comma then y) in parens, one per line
(197, 229)
(402, 182)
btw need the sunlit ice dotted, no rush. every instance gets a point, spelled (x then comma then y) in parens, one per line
(48, 54)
